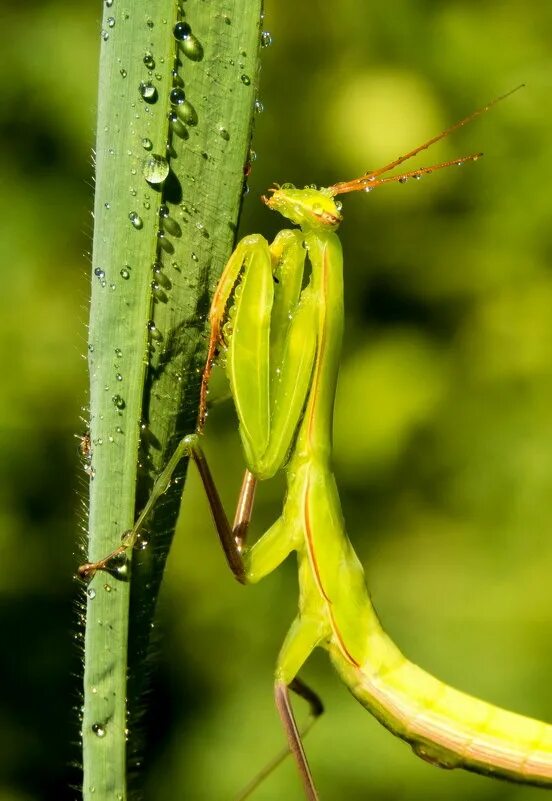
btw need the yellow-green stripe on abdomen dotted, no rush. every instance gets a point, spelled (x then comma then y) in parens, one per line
(447, 727)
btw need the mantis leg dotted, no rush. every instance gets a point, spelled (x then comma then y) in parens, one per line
(282, 702)
(232, 537)
(268, 325)
(244, 508)
(285, 710)
(304, 635)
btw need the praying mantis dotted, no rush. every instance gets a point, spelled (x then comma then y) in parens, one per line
(277, 314)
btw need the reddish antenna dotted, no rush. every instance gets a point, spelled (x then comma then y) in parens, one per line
(371, 179)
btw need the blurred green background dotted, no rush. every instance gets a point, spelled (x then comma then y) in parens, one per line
(443, 434)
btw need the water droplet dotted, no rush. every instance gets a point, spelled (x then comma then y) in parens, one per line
(158, 293)
(123, 72)
(165, 243)
(246, 79)
(181, 31)
(177, 96)
(118, 401)
(91, 592)
(136, 220)
(403, 179)
(162, 280)
(147, 144)
(259, 108)
(187, 113)
(125, 273)
(108, 3)
(99, 273)
(192, 48)
(195, 257)
(150, 23)
(104, 35)
(154, 331)
(98, 729)
(266, 39)
(148, 92)
(169, 224)
(155, 168)
(177, 126)
(118, 377)
(111, 22)
(149, 61)
(223, 132)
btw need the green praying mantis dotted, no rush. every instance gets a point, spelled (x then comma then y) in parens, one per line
(277, 314)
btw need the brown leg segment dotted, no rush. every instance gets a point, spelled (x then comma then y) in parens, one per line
(316, 709)
(292, 732)
(231, 538)
(244, 508)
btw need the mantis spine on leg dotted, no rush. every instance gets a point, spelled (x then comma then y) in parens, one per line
(282, 340)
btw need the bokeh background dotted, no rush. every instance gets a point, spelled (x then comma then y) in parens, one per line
(443, 432)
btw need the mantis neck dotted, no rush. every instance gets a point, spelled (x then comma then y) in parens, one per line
(314, 439)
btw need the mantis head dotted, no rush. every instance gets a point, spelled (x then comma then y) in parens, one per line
(310, 208)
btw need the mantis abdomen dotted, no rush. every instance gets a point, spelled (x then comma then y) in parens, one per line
(444, 726)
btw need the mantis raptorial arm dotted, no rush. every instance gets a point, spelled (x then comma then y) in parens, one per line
(279, 322)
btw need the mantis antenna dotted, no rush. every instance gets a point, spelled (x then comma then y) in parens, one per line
(371, 179)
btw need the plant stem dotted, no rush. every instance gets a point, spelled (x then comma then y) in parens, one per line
(158, 249)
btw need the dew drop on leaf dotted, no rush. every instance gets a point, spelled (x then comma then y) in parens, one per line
(177, 96)
(181, 31)
(135, 219)
(192, 48)
(155, 168)
(149, 61)
(147, 91)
